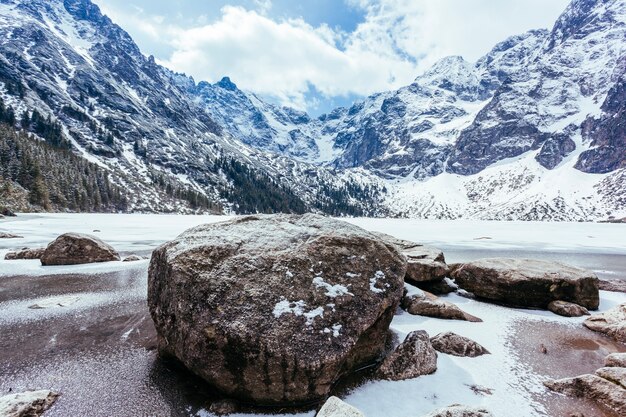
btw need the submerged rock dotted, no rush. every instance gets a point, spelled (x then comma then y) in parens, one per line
(460, 411)
(274, 309)
(563, 308)
(423, 303)
(4, 235)
(76, 248)
(612, 323)
(25, 254)
(412, 358)
(334, 407)
(27, 404)
(453, 344)
(528, 282)
(607, 387)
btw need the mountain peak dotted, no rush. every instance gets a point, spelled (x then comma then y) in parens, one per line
(227, 84)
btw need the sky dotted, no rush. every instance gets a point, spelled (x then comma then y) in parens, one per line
(316, 55)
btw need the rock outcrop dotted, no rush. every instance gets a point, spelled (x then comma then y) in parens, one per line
(566, 309)
(607, 387)
(274, 309)
(27, 404)
(412, 358)
(76, 248)
(528, 282)
(334, 407)
(612, 323)
(423, 303)
(453, 344)
(460, 411)
(25, 254)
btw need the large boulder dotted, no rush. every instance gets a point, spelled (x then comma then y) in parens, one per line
(425, 264)
(274, 309)
(612, 323)
(453, 344)
(528, 282)
(566, 309)
(412, 358)
(334, 407)
(27, 404)
(76, 248)
(25, 254)
(460, 411)
(423, 303)
(607, 387)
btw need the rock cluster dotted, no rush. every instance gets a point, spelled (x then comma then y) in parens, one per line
(228, 298)
(75, 249)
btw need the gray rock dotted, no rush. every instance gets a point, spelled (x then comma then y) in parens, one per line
(76, 248)
(460, 411)
(453, 344)
(228, 298)
(612, 323)
(606, 387)
(616, 359)
(4, 235)
(334, 407)
(25, 254)
(427, 304)
(27, 404)
(563, 308)
(412, 358)
(617, 285)
(528, 282)
(223, 407)
(132, 258)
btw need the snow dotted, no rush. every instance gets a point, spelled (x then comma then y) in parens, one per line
(332, 291)
(297, 308)
(374, 280)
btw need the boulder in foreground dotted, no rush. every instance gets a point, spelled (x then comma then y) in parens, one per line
(412, 358)
(460, 411)
(528, 282)
(334, 407)
(25, 254)
(27, 404)
(76, 248)
(274, 309)
(453, 344)
(612, 323)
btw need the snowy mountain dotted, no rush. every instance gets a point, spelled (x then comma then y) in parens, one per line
(533, 130)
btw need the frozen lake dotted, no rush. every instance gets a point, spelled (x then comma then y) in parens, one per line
(96, 343)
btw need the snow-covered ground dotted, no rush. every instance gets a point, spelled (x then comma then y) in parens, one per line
(103, 308)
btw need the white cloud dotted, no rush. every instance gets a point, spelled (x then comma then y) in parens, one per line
(397, 40)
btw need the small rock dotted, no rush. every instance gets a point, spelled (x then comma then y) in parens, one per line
(460, 411)
(132, 258)
(96, 231)
(616, 360)
(4, 235)
(412, 358)
(24, 254)
(1, 216)
(456, 345)
(6, 212)
(426, 304)
(566, 309)
(223, 407)
(334, 407)
(616, 285)
(528, 282)
(612, 323)
(76, 248)
(27, 404)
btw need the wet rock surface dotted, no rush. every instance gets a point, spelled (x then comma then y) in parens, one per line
(76, 248)
(25, 254)
(461, 411)
(422, 303)
(565, 309)
(612, 323)
(528, 282)
(412, 358)
(227, 299)
(454, 344)
(27, 404)
(334, 407)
